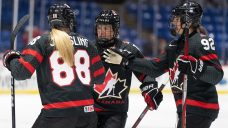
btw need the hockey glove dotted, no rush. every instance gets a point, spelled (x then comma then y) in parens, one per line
(191, 66)
(151, 95)
(8, 56)
(118, 56)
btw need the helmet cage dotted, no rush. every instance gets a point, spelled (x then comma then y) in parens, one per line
(189, 12)
(109, 17)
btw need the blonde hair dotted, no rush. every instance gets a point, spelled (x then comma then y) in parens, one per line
(64, 45)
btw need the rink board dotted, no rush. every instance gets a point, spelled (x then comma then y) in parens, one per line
(30, 86)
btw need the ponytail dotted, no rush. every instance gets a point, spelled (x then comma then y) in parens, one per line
(64, 45)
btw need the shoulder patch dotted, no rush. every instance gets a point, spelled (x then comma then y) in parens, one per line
(34, 40)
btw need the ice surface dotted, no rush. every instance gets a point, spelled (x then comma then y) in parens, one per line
(28, 108)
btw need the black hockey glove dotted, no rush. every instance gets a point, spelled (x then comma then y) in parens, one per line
(151, 95)
(191, 66)
(8, 56)
(118, 56)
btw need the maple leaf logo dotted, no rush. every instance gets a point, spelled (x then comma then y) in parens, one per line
(111, 87)
(174, 75)
(174, 72)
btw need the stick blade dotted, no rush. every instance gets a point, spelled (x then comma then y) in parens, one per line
(13, 35)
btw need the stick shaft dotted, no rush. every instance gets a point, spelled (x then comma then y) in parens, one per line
(13, 35)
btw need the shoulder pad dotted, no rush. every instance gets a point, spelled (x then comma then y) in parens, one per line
(131, 48)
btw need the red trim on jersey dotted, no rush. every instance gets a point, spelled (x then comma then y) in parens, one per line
(199, 104)
(34, 53)
(99, 110)
(68, 104)
(99, 72)
(141, 77)
(209, 57)
(156, 59)
(96, 59)
(27, 65)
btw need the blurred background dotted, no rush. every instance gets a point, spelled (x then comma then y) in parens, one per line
(143, 22)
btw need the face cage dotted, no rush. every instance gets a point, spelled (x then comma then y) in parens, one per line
(114, 28)
(172, 27)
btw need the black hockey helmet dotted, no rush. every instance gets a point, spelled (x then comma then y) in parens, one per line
(61, 15)
(189, 12)
(108, 17)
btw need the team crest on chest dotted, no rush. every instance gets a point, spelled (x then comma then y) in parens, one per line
(111, 87)
(175, 79)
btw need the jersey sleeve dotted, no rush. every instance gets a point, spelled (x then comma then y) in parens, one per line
(206, 52)
(31, 58)
(143, 67)
(138, 54)
(97, 68)
(152, 67)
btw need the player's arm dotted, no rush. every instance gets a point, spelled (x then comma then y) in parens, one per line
(213, 74)
(22, 65)
(152, 67)
(149, 86)
(97, 67)
(205, 66)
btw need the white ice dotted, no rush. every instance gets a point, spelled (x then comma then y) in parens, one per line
(28, 108)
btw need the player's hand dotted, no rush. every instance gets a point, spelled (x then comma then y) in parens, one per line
(118, 56)
(112, 57)
(191, 66)
(151, 94)
(8, 56)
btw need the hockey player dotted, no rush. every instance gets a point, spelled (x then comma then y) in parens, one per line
(111, 97)
(201, 66)
(66, 65)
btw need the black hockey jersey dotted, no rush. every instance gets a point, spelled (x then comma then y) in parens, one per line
(202, 96)
(64, 90)
(112, 95)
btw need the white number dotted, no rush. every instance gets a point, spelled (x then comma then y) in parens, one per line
(208, 44)
(63, 75)
(212, 44)
(82, 64)
(34, 40)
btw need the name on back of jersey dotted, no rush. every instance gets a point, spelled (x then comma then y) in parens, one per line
(79, 41)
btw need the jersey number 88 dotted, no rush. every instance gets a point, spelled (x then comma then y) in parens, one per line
(63, 75)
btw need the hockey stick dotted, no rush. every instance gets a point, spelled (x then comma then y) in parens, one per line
(145, 110)
(12, 38)
(186, 51)
(17, 28)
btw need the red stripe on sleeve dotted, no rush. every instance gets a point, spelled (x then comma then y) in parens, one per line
(99, 72)
(199, 104)
(68, 104)
(96, 59)
(27, 65)
(34, 53)
(209, 57)
(156, 59)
